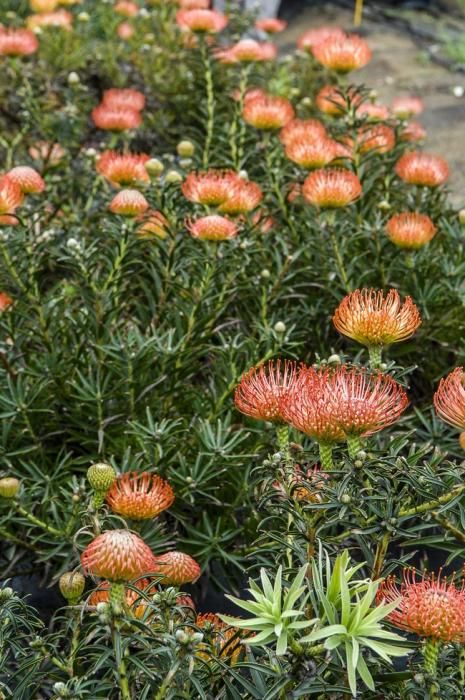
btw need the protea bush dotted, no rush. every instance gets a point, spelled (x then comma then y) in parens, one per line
(231, 323)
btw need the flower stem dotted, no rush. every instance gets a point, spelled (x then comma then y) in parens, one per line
(354, 445)
(40, 523)
(358, 12)
(430, 656)
(326, 456)
(425, 507)
(375, 353)
(381, 550)
(210, 101)
(121, 669)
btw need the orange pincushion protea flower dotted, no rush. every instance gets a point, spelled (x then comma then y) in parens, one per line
(406, 107)
(422, 169)
(124, 98)
(243, 197)
(267, 112)
(332, 188)
(176, 568)
(430, 607)
(212, 228)
(332, 405)
(413, 131)
(50, 153)
(113, 118)
(373, 319)
(410, 230)
(312, 154)
(117, 555)
(18, 42)
(125, 30)
(378, 139)
(220, 640)
(271, 25)
(313, 37)
(449, 399)
(123, 168)
(129, 203)
(11, 195)
(154, 225)
(59, 18)
(373, 112)
(126, 8)
(309, 129)
(139, 495)
(207, 21)
(211, 188)
(343, 54)
(5, 301)
(194, 4)
(248, 51)
(28, 179)
(261, 390)
(330, 100)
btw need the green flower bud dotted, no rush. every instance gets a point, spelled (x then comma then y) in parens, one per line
(334, 360)
(173, 177)
(101, 476)
(345, 498)
(6, 593)
(185, 149)
(9, 487)
(154, 166)
(279, 327)
(462, 217)
(72, 585)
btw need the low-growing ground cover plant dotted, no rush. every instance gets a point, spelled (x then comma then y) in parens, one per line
(231, 318)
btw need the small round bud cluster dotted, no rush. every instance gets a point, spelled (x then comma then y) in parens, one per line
(9, 487)
(72, 585)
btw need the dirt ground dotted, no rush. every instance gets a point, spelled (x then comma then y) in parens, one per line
(399, 67)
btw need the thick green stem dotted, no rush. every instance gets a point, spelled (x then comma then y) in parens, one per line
(462, 665)
(375, 353)
(430, 505)
(430, 656)
(210, 101)
(354, 445)
(40, 523)
(163, 689)
(326, 456)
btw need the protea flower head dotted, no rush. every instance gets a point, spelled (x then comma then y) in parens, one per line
(18, 42)
(313, 37)
(212, 228)
(243, 197)
(194, 4)
(374, 319)
(413, 131)
(260, 391)
(124, 98)
(379, 139)
(449, 399)
(176, 568)
(423, 169)
(410, 230)
(139, 495)
(5, 301)
(117, 555)
(267, 112)
(406, 107)
(28, 179)
(154, 225)
(309, 129)
(72, 584)
(331, 101)
(112, 118)
(312, 154)
(332, 188)
(10, 195)
(123, 168)
(126, 8)
(202, 21)
(125, 30)
(220, 640)
(430, 607)
(60, 18)
(210, 188)
(343, 54)
(129, 203)
(373, 112)
(271, 25)
(247, 51)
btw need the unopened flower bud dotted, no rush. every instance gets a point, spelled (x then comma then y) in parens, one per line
(306, 101)
(6, 593)
(154, 166)
(173, 177)
(358, 464)
(185, 149)
(384, 205)
(101, 476)
(73, 78)
(185, 163)
(345, 498)
(197, 637)
(102, 608)
(9, 487)
(266, 274)
(72, 585)
(334, 360)
(280, 327)
(60, 689)
(462, 217)
(181, 637)
(83, 17)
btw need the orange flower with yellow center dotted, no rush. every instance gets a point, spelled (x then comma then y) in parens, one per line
(17, 42)
(410, 230)
(129, 203)
(212, 228)
(373, 319)
(262, 388)
(267, 112)
(449, 399)
(113, 118)
(139, 495)
(175, 568)
(342, 54)
(123, 168)
(124, 98)
(203, 21)
(331, 188)
(27, 178)
(309, 129)
(422, 169)
(313, 37)
(117, 555)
